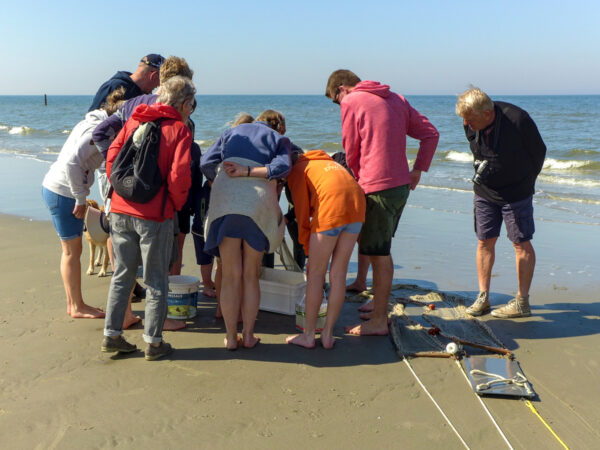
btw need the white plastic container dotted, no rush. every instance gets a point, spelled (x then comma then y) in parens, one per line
(301, 314)
(280, 290)
(183, 297)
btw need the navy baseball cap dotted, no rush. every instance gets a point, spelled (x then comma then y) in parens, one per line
(153, 60)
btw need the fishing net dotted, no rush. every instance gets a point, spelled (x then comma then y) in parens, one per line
(287, 258)
(416, 331)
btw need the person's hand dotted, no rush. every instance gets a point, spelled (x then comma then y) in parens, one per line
(415, 177)
(79, 211)
(234, 169)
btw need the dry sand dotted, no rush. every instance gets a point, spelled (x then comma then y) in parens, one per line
(57, 390)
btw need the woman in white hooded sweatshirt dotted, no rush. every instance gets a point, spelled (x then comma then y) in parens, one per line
(65, 188)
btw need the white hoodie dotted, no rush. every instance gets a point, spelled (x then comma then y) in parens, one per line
(73, 172)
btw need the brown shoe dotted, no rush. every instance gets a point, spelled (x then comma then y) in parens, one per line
(517, 307)
(481, 305)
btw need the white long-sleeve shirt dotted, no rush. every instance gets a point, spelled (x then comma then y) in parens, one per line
(73, 172)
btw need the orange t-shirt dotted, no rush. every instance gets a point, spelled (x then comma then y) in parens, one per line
(325, 195)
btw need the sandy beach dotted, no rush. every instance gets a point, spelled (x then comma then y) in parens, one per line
(60, 391)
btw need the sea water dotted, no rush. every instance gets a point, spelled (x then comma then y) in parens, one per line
(567, 190)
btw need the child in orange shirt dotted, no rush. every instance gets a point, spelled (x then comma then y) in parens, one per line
(330, 209)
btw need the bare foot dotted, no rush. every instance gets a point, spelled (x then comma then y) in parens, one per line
(356, 287)
(250, 341)
(327, 341)
(369, 328)
(86, 312)
(130, 320)
(366, 316)
(173, 325)
(367, 307)
(302, 340)
(209, 292)
(234, 345)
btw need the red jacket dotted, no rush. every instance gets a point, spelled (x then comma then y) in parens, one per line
(173, 162)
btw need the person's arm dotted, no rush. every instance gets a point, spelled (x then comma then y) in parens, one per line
(77, 176)
(533, 143)
(350, 138)
(301, 199)
(179, 178)
(281, 164)
(419, 127)
(212, 158)
(106, 131)
(114, 149)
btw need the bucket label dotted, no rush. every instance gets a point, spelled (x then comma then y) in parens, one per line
(182, 306)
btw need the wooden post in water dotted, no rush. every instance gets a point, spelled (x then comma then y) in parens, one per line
(45, 100)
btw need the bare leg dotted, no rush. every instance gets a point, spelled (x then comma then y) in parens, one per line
(70, 270)
(231, 291)
(176, 269)
(321, 249)
(486, 255)
(218, 279)
(360, 283)
(130, 318)
(337, 281)
(250, 293)
(383, 274)
(208, 286)
(525, 259)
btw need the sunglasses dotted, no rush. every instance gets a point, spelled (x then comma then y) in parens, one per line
(334, 99)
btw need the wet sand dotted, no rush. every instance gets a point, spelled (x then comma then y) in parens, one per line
(60, 391)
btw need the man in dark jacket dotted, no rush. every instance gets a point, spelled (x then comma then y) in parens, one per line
(143, 81)
(509, 154)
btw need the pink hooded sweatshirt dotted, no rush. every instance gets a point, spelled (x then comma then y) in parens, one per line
(375, 123)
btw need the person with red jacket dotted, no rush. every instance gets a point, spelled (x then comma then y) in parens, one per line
(147, 228)
(330, 209)
(375, 123)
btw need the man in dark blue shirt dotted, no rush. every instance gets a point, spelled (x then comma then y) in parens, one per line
(143, 81)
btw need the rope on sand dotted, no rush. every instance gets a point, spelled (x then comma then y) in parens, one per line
(435, 403)
(533, 410)
(462, 370)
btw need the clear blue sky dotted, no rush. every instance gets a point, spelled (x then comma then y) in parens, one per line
(281, 47)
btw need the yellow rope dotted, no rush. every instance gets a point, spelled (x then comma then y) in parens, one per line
(533, 410)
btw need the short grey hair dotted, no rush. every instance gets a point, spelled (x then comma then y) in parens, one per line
(176, 90)
(473, 100)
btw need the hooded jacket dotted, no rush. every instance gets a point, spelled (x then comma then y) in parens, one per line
(119, 79)
(375, 123)
(173, 162)
(73, 172)
(325, 195)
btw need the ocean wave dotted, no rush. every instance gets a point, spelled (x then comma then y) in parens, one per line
(20, 130)
(585, 182)
(557, 164)
(331, 146)
(204, 143)
(582, 151)
(453, 155)
(65, 131)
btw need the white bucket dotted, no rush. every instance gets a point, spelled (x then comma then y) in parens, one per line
(183, 297)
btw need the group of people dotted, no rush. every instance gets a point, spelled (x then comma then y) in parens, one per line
(237, 217)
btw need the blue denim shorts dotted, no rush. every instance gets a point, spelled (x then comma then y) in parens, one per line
(352, 228)
(517, 216)
(61, 209)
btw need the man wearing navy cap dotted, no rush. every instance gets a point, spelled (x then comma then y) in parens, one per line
(143, 81)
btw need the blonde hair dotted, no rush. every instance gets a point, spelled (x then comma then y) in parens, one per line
(114, 101)
(173, 66)
(274, 119)
(473, 100)
(240, 118)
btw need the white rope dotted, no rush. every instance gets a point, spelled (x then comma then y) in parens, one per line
(518, 380)
(462, 370)
(436, 405)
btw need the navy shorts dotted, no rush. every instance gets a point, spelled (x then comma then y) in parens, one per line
(517, 216)
(202, 258)
(183, 221)
(61, 209)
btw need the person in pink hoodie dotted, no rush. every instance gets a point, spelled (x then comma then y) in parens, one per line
(375, 123)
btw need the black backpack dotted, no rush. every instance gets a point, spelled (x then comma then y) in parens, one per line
(135, 174)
